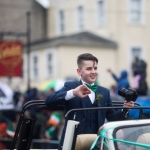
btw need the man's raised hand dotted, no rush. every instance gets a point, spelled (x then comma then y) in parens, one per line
(81, 91)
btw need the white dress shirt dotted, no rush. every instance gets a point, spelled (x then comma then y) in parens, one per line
(70, 95)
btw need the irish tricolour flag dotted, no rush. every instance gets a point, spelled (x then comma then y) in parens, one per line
(55, 118)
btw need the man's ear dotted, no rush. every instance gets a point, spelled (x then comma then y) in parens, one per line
(79, 72)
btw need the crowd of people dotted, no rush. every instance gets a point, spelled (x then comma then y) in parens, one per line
(139, 83)
(50, 122)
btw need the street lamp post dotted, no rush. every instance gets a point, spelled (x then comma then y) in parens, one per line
(28, 48)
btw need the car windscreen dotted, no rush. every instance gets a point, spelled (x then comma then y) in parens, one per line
(132, 137)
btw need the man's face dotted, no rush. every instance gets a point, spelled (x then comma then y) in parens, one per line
(88, 71)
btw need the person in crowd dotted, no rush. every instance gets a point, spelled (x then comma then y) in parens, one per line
(121, 81)
(139, 66)
(3, 133)
(139, 76)
(50, 91)
(85, 94)
(32, 94)
(113, 89)
(7, 128)
(42, 96)
(53, 126)
(16, 96)
(143, 87)
(136, 79)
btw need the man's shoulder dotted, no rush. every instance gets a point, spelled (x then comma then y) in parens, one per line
(72, 83)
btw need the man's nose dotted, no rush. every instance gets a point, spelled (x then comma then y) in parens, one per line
(93, 71)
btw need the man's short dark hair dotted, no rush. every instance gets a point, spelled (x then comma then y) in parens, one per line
(84, 57)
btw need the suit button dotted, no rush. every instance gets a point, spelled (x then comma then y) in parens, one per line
(83, 120)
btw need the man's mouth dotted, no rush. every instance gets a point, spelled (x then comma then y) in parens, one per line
(93, 77)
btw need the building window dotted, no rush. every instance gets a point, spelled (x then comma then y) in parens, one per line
(49, 64)
(35, 66)
(80, 17)
(136, 52)
(61, 21)
(135, 11)
(101, 11)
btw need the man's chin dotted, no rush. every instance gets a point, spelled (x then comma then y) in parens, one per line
(92, 81)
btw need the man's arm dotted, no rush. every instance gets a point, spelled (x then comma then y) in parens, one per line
(57, 97)
(113, 115)
(81, 91)
(61, 96)
(113, 75)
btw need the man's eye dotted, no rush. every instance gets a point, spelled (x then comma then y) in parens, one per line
(88, 68)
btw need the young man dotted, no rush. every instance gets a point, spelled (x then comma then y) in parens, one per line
(79, 95)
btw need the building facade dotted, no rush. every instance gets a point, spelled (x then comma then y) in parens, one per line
(124, 24)
(14, 19)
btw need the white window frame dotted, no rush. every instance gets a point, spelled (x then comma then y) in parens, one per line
(142, 11)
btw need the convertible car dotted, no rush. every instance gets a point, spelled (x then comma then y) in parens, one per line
(131, 134)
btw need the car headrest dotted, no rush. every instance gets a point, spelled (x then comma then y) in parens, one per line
(84, 141)
(143, 139)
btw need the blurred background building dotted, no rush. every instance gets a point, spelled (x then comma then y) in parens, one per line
(115, 31)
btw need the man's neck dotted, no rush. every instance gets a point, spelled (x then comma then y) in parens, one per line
(86, 82)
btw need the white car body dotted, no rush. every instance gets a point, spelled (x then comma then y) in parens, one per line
(133, 125)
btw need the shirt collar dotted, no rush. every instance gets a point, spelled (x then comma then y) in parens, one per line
(86, 83)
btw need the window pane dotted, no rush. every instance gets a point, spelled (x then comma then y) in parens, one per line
(61, 18)
(49, 56)
(35, 60)
(136, 10)
(35, 66)
(49, 70)
(49, 64)
(136, 52)
(80, 17)
(101, 11)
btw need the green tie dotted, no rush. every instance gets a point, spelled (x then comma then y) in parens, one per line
(92, 87)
